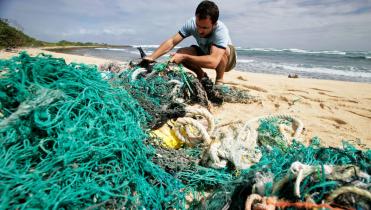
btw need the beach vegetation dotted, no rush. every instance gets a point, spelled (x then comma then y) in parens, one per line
(13, 37)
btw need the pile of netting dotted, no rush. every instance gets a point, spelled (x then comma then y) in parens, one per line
(285, 174)
(163, 89)
(74, 137)
(71, 140)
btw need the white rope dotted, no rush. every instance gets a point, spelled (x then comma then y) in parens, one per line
(297, 122)
(181, 123)
(190, 131)
(251, 200)
(236, 143)
(138, 71)
(152, 74)
(349, 189)
(44, 98)
(177, 85)
(299, 171)
(192, 112)
(255, 201)
(261, 181)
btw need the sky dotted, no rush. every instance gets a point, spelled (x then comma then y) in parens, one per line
(282, 24)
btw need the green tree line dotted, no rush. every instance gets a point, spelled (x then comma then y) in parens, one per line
(11, 37)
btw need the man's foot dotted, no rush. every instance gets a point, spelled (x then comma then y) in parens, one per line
(211, 93)
(202, 76)
(219, 82)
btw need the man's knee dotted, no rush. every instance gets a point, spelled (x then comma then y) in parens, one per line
(223, 62)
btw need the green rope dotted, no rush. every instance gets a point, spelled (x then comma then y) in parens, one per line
(185, 77)
(78, 150)
(70, 139)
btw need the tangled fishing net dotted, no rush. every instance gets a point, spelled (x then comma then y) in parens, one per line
(70, 139)
(74, 137)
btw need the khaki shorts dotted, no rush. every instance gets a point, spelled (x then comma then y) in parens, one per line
(232, 58)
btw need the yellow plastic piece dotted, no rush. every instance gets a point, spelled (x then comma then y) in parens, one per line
(168, 136)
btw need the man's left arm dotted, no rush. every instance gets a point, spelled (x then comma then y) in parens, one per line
(205, 61)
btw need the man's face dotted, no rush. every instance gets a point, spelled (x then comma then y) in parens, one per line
(204, 26)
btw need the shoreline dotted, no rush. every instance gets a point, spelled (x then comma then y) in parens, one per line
(58, 51)
(239, 67)
(61, 48)
(331, 110)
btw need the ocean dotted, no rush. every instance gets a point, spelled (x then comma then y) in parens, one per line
(333, 65)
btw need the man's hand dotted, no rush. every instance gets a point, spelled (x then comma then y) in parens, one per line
(144, 63)
(151, 60)
(177, 58)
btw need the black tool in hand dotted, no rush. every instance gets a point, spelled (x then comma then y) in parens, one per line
(145, 63)
(142, 53)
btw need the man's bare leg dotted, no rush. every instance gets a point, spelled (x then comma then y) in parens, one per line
(195, 68)
(220, 69)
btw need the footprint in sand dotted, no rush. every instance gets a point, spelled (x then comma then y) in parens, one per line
(255, 88)
(325, 94)
(242, 78)
(323, 106)
(359, 114)
(336, 120)
(321, 90)
(272, 98)
(301, 91)
(283, 98)
(338, 98)
(252, 87)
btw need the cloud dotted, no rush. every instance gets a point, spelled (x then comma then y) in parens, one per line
(300, 24)
(99, 31)
(309, 24)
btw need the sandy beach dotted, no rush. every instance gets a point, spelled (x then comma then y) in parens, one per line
(331, 110)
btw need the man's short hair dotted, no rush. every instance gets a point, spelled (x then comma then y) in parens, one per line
(208, 9)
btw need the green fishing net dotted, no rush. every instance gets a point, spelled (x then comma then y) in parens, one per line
(71, 140)
(73, 137)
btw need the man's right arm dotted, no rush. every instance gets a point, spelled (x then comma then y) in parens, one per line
(165, 47)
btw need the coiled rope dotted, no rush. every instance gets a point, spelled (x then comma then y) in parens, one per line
(234, 143)
(349, 189)
(183, 127)
(300, 171)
